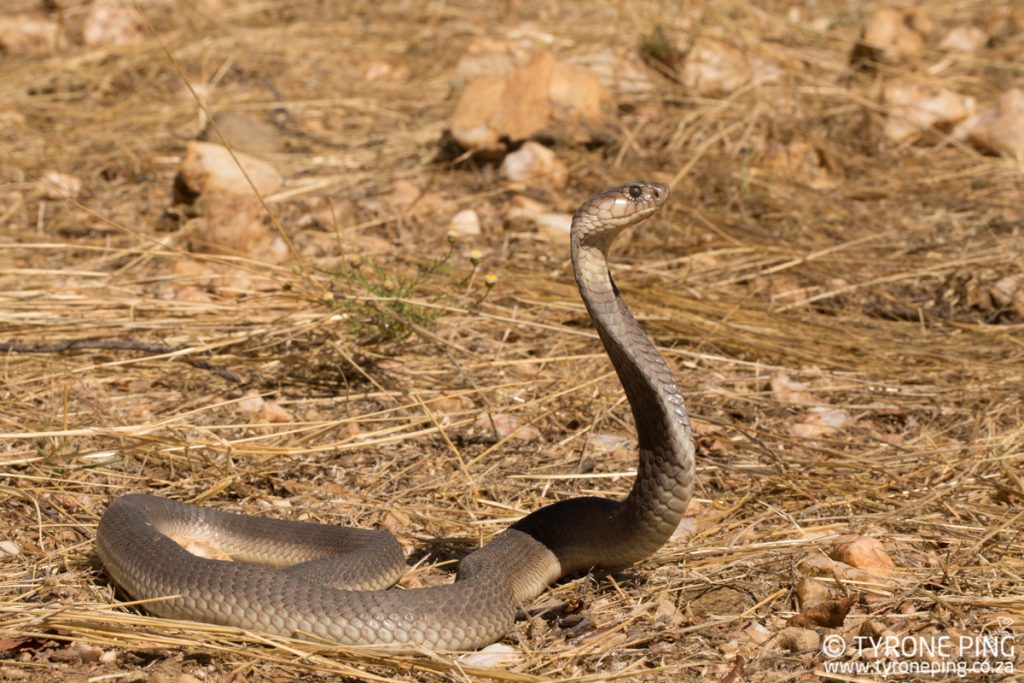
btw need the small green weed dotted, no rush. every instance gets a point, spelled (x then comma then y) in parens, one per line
(378, 300)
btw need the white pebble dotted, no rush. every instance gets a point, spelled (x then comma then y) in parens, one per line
(466, 223)
(495, 655)
(535, 164)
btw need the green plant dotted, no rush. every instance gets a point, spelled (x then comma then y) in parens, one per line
(382, 308)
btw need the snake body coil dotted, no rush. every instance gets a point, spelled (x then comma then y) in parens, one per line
(329, 581)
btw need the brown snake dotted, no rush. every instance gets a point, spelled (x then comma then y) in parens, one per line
(329, 580)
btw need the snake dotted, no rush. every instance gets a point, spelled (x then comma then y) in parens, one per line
(301, 579)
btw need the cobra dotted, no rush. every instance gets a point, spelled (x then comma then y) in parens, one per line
(295, 578)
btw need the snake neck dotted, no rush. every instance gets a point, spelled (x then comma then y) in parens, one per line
(664, 481)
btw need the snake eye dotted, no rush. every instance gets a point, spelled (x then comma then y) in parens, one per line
(635, 191)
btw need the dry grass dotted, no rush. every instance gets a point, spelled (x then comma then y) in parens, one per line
(867, 291)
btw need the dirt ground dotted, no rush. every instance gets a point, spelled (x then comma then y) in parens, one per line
(838, 307)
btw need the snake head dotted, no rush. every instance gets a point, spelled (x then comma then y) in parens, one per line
(602, 217)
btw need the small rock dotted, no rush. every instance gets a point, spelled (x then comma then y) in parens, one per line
(1000, 129)
(396, 521)
(820, 421)
(864, 553)
(702, 428)
(271, 412)
(605, 638)
(60, 186)
(667, 614)
(108, 657)
(406, 196)
(580, 105)
(331, 216)
(795, 639)
(535, 164)
(465, 223)
(714, 68)
(606, 442)
(230, 214)
(810, 592)
(555, 226)
(799, 161)
(251, 403)
(907, 608)
(757, 633)
(514, 105)
(210, 168)
(230, 224)
(819, 24)
(915, 107)
(525, 369)
(893, 35)
(193, 270)
(618, 71)
(873, 631)
(10, 548)
(385, 71)
(541, 95)
(965, 39)
(522, 207)
(403, 195)
(488, 56)
(819, 565)
(493, 656)
(451, 404)
(788, 391)
(1008, 293)
(85, 652)
(685, 530)
(74, 502)
(505, 425)
(191, 90)
(113, 23)
(25, 35)
(242, 133)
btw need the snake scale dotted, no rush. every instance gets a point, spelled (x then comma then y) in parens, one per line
(296, 578)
